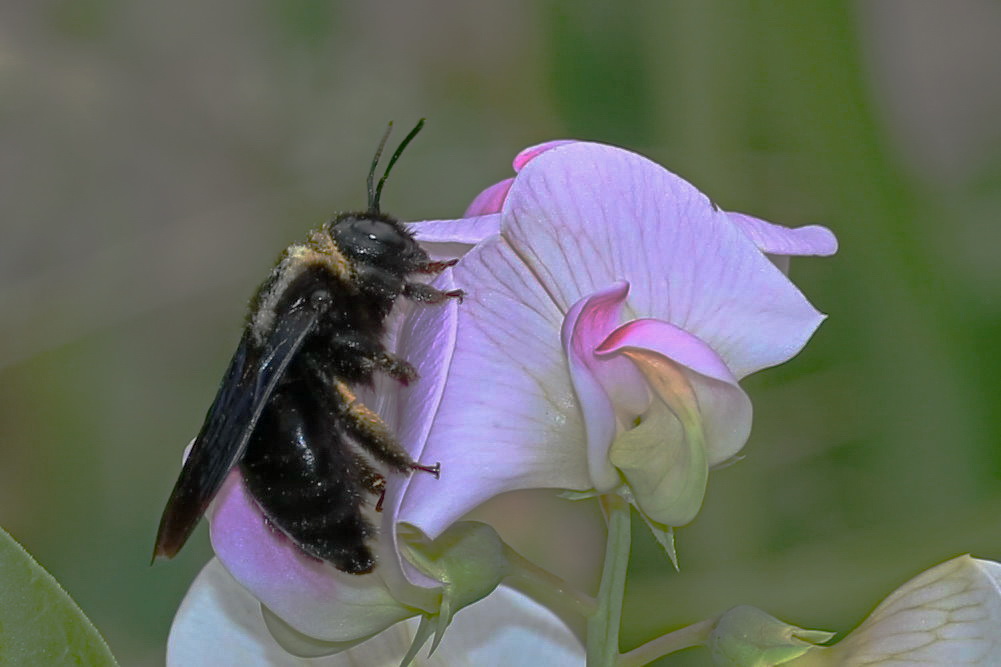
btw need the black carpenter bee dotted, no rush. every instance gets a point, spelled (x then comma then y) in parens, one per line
(285, 412)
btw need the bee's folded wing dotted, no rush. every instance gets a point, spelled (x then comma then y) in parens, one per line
(250, 380)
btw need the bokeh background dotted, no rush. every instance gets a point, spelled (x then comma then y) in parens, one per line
(156, 156)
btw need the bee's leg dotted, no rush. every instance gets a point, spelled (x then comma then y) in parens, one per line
(374, 482)
(434, 470)
(369, 431)
(374, 355)
(370, 479)
(424, 293)
(436, 267)
(397, 368)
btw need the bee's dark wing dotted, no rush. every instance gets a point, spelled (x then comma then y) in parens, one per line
(245, 390)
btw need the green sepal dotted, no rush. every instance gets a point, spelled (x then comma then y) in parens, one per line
(302, 645)
(424, 631)
(469, 559)
(665, 538)
(745, 636)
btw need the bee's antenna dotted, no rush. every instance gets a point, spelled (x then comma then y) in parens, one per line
(373, 197)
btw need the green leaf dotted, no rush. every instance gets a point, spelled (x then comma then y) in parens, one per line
(39, 623)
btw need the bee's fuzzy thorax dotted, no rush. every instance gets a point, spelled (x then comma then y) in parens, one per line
(320, 252)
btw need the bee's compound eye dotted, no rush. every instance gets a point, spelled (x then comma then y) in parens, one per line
(379, 231)
(319, 300)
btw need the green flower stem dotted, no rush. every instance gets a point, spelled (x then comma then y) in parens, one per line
(546, 588)
(603, 626)
(693, 635)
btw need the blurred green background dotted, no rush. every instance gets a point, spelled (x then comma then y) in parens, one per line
(156, 156)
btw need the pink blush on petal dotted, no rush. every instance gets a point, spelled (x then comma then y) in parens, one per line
(490, 200)
(257, 554)
(532, 152)
(669, 341)
(310, 595)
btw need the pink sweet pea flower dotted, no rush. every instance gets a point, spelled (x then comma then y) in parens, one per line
(610, 310)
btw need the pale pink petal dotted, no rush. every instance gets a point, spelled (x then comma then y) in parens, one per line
(427, 341)
(724, 407)
(490, 200)
(508, 417)
(601, 385)
(461, 233)
(583, 216)
(778, 240)
(597, 408)
(590, 321)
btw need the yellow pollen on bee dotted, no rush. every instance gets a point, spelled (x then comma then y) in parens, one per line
(359, 410)
(326, 253)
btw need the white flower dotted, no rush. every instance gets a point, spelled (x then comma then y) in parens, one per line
(948, 615)
(220, 623)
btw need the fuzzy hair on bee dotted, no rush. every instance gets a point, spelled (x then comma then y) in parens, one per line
(286, 415)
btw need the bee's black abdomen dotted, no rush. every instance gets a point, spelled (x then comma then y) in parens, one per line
(301, 472)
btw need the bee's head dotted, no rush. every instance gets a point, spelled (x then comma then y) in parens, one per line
(377, 240)
(373, 238)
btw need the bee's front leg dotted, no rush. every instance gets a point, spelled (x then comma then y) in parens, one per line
(424, 293)
(437, 267)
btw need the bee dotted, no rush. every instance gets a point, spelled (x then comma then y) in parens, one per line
(286, 414)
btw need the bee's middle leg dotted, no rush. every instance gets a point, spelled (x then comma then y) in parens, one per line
(375, 357)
